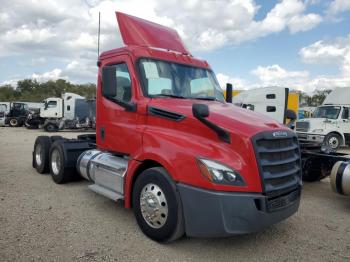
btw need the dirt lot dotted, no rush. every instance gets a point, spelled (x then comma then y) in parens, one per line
(42, 221)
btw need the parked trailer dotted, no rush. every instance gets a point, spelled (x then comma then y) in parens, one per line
(168, 145)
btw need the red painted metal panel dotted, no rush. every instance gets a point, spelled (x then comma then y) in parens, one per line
(140, 32)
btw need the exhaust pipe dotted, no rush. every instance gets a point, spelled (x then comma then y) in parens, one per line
(340, 178)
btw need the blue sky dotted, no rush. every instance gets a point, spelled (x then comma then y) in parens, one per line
(300, 44)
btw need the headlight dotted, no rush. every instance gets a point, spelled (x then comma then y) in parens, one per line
(218, 173)
(317, 131)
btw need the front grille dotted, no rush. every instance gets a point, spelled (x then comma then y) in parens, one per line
(302, 136)
(278, 159)
(302, 126)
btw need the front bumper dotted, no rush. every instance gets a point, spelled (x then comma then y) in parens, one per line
(217, 214)
(309, 137)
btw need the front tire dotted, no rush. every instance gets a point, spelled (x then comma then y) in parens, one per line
(14, 122)
(50, 127)
(333, 141)
(157, 205)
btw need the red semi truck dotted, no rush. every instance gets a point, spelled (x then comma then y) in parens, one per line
(170, 147)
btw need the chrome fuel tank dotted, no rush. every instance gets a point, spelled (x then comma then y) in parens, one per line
(104, 169)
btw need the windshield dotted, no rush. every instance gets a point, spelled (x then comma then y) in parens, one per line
(330, 112)
(161, 79)
(3, 107)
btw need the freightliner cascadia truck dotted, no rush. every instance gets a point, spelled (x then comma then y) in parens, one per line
(170, 147)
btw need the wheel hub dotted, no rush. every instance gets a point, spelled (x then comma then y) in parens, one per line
(38, 154)
(333, 142)
(55, 162)
(153, 204)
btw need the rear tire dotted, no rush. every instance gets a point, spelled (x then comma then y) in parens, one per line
(59, 171)
(157, 205)
(41, 154)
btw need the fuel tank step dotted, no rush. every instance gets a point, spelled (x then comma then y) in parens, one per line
(106, 192)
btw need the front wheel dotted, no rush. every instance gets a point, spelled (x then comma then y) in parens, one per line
(333, 141)
(50, 127)
(157, 205)
(14, 122)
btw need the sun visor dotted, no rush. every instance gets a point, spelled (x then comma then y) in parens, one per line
(140, 32)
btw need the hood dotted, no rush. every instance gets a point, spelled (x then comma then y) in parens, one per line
(140, 32)
(229, 117)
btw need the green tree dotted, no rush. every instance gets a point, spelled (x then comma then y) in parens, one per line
(32, 91)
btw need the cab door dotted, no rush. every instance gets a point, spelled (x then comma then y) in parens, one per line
(52, 108)
(118, 122)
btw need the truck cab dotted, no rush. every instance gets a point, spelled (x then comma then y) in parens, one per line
(170, 147)
(64, 107)
(52, 108)
(330, 123)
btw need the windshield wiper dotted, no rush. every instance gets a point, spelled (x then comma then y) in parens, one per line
(168, 95)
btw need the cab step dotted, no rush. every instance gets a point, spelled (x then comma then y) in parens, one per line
(106, 192)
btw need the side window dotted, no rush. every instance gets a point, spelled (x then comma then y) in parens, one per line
(51, 104)
(123, 83)
(68, 108)
(345, 114)
(270, 109)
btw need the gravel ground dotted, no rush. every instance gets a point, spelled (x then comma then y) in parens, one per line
(42, 221)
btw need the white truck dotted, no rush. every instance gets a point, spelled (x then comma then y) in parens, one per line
(330, 124)
(71, 111)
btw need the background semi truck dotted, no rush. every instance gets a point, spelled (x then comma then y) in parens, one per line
(71, 111)
(170, 147)
(330, 123)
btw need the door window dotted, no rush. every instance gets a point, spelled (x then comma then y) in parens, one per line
(51, 104)
(123, 83)
(345, 114)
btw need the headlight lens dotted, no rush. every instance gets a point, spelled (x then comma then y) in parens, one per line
(218, 173)
(317, 131)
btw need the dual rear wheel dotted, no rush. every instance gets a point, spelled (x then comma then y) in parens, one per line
(48, 156)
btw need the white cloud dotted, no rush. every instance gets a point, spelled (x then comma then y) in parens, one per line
(65, 32)
(337, 51)
(338, 6)
(238, 83)
(212, 24)
(50, 75)
(275, 75)
(303, 23)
